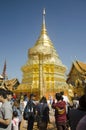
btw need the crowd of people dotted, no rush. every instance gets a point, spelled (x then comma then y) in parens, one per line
(67, 116)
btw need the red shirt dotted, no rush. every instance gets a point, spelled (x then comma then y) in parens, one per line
(60, 111)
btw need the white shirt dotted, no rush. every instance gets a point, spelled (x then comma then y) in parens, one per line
(65, 98)
(0, 104)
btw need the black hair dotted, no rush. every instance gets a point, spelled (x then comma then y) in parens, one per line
(62, 92)
(43, 100)
(3, 93)
(58, 96)
(32, 95)
(15, 113)
(9, 92)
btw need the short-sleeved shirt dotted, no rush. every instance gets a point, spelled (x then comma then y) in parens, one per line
(5, 113)
(60, 111)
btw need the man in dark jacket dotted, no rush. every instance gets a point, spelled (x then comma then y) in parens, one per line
(82, 124)
(76, 114)
(31, 106)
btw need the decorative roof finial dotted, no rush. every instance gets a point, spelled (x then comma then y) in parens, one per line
(44, 16)
(76, 58)
(43, 31)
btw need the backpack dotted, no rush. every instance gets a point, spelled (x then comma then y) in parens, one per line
(29, 111)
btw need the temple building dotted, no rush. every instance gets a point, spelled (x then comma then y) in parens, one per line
(11, 84)
(77, 77)
(43, 73)
(8, 84)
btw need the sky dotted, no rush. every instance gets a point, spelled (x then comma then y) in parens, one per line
(20, 26)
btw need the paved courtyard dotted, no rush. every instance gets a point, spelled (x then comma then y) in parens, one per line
(51, 125)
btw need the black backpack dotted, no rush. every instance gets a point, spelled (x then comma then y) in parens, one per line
(29, 111)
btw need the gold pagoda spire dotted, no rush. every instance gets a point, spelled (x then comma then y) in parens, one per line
(43, 40)
(44, 16)
(43, 31)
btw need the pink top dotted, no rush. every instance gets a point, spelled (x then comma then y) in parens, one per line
(15, 123)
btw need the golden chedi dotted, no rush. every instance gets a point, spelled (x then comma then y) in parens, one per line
(44, 73)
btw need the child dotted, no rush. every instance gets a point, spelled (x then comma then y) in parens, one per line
(15, 121)
(16, 107)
